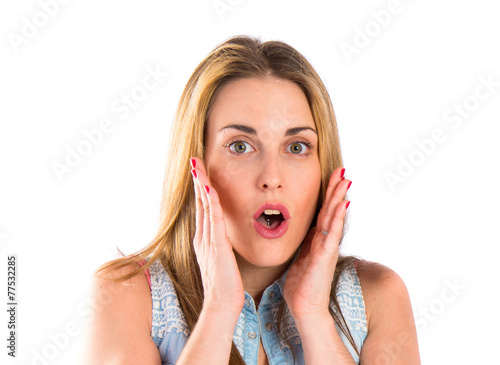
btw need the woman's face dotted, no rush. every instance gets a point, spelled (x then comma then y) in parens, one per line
(261, 148)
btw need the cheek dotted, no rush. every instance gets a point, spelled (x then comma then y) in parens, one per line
(229, 184)
(226, 176)
(308, 186)
(308, 181)
(220, 179)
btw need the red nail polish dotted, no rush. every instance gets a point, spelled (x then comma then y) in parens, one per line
(194, 173)
(348, 202)
(348, 186)
(207, 189)
(342, 174)
(193, 162)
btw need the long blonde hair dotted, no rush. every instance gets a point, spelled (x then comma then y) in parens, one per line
(238, 57)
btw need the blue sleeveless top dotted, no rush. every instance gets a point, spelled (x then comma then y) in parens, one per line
(170, 331)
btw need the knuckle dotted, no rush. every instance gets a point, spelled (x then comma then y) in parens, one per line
(338, 194)
(327, 217)
(338, 221)
(332, 183)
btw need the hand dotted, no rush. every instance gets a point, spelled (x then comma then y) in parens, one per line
(222, 284)
(309, 279)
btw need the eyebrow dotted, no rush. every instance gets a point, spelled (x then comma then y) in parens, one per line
(250, 130)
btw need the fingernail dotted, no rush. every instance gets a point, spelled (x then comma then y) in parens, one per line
(207, 189)
(194, 173)
(342, 174)
(348, 186)
(193, 162)
(348, 202)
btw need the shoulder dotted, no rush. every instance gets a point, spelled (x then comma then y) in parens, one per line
(378, 276)
(122, 316)
(128, 295)
(384, 292)
(392, 335)
(108, 279)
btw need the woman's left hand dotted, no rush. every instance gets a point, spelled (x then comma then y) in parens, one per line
(309, 279)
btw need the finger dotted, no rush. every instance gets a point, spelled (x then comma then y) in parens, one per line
(198, 201)
(199, 215)
(335, 230)
(201, 181)
(201, 178)
(335, 178)
(217, 225)
(215, 213)
(328, 209)
(198, 165)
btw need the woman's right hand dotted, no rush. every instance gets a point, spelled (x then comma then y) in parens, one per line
(222, 284)
(211, 339)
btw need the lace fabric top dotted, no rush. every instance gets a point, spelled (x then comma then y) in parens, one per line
(170, 331)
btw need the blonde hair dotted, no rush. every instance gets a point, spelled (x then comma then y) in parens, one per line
(236, 58)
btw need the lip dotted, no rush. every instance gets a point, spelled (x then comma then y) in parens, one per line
(271, 233)
(275, 206)
(278, 231)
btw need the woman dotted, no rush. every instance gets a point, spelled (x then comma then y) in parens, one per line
(245, 267)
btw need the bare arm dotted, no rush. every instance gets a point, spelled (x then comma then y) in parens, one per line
(210, 342)
(322, 343)
(392, 336)
(120, 331)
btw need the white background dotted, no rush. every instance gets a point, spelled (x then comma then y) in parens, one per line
(437, 228)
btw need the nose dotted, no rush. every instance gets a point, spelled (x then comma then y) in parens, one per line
(271, 175)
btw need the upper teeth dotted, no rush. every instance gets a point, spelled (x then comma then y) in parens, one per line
(271, 212)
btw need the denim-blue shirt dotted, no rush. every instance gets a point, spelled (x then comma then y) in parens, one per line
(170, 331)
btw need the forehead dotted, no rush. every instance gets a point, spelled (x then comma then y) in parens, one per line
(260, 102)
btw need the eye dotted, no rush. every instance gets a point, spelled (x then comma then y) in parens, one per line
(240, 147)
(298, 147)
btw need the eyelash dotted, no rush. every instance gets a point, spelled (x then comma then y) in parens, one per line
(308, 144)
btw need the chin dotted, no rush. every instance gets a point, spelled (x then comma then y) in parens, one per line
(270, 256)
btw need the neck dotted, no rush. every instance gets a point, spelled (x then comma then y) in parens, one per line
(257, 278)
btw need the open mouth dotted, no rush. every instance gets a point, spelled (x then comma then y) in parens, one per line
(270, 221)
